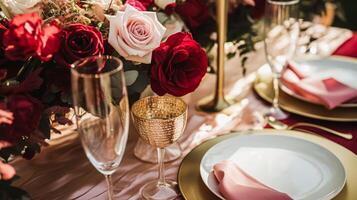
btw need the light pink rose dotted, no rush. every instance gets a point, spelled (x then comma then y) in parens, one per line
(135, 34)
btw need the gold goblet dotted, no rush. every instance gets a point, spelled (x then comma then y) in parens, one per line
(160, 121)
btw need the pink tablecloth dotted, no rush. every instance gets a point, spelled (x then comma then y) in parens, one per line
(62, 170)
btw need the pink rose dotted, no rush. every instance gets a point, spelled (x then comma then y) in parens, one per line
(135, 34)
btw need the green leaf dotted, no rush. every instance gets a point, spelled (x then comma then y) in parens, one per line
(131, 76)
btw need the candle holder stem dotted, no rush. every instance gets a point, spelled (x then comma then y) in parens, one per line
(218, 103)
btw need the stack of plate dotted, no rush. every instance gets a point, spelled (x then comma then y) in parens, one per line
(299, 164)
(294, 103)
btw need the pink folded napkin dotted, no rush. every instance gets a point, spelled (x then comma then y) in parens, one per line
(328, 92)
(235, 184)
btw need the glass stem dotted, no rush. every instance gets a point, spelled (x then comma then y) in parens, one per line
(108, 178)
(160, 159)
(276, 90)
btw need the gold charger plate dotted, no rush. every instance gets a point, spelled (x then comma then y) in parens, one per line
(193, 188)
(264, 88)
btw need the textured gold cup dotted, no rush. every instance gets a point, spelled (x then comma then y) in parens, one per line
(159, 120)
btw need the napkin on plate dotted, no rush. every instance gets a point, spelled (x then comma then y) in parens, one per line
(326, 91)
(235, 184)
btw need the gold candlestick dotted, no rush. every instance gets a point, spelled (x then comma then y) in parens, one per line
(218, 103)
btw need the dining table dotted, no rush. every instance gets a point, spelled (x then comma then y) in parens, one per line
(62, 171)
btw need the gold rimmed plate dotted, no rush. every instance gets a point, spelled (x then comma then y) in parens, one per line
(193, 188)
(264, 88)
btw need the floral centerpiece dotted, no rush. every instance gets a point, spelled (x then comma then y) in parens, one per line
(163, 43)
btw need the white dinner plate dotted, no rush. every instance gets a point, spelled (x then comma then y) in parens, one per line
(294, 166)
(343, 69)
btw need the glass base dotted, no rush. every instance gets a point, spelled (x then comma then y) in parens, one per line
(147, 153)
(154, 191)
(277, 113)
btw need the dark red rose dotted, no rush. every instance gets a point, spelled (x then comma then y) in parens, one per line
(25, 38)
(179, 65)
(193, 12)
(146, 3)
(27, 114)
(136, 4)
(170, 8)
(79, 41)
(258, 10)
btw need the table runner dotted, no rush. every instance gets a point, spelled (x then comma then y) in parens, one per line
(62, 170)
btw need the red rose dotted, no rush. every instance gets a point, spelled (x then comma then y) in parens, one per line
(27, 114)
(79, 41)
(193, 12)
(179, 65)
(25, 38)
(170, 8)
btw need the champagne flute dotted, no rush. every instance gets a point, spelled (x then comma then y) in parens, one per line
(102, 112)
(281, 30)
(160, 121)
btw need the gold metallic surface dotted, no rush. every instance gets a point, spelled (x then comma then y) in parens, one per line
(218, 103)
(193, 188)
(159, 120)
(263, 87)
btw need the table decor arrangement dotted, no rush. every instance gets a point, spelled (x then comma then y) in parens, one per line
(62, 54)
(40, 39)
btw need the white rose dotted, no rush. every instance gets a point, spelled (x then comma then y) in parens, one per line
(135, 34)
(163, 3)
(16, 7)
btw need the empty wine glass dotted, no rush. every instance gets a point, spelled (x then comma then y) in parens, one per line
(281, 29)
(160, 121)
(102, 111)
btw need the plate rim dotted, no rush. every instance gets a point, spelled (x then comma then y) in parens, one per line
(265, 133)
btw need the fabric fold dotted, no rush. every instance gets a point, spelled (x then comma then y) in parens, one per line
(235, 184)
(328, 91)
